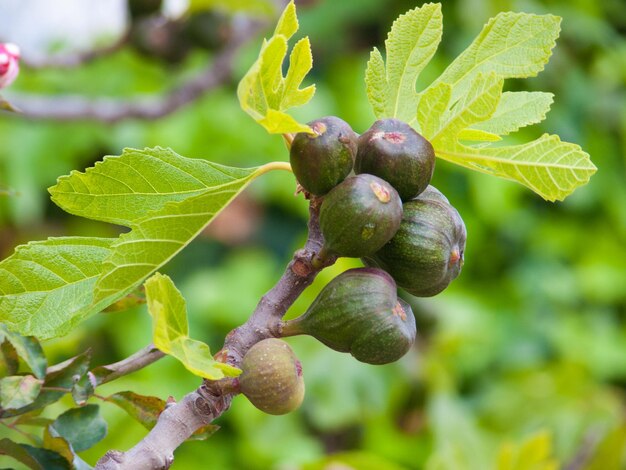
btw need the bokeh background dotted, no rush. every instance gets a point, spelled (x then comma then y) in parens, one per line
(528, 343)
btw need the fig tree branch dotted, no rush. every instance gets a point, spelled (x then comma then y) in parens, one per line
(142, 358)
(74, 60)
(76, 107)
(300, 273)
(200, 407)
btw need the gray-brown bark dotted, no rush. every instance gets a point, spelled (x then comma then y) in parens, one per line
(200, 407)
(76, 107)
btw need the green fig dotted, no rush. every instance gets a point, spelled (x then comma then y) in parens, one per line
(139, 8)
(272, 377)
(359, 312)
(157, 38)
(359, 216)
(207, 29)
(322, 160)
(426, 254)
(395, 152)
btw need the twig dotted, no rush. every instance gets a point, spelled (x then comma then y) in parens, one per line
(76, 59)
(142, 358)
(265, 321)
(198, 408)
(175, 424)
(56, 389)
(70, 107)
(103, 374)
(27, 435)
(585, 452)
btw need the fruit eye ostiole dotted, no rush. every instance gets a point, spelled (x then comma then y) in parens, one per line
(456, 256)
(395, 152)
(319, 128)
(323, 157)
(399, 311)
(382, 193)
(394, 137)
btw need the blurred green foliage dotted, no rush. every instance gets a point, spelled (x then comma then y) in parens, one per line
(525, 353)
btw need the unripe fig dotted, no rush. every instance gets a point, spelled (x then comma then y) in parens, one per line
(207, 29)
(160, 38)
(272, 377)
(426, 254)
(322, 160)
(138, 8)
(359, 216)
(359, 312)
(394, 151)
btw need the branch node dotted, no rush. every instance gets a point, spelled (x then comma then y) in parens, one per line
(302, 267)
(111, 460)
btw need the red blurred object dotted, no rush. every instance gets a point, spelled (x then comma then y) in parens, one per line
(9, 63)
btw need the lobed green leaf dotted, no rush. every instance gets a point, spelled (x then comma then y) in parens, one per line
(433, 104)
(124, 189)
(171, 331)
(47, 287)
(287, 24)
(164, 198)
(516, 110)
(376, 83)
(160, 234)
(477, 105)
(512, 45)
(478, 135)
(548, 166)
(411, 43)
(264, 93)
(464, 111)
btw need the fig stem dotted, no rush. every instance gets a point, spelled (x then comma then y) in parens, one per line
(320, 259)
(290, 328)
(285, 166)
(230, 385)
(288, 140)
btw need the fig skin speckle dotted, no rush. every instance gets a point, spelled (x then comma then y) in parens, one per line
(272, 377)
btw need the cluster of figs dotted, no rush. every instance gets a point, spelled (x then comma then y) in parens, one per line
(378, 205)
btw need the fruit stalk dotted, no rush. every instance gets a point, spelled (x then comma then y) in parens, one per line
(290, 328)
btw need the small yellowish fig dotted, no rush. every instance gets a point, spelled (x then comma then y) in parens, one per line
(271, 377)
